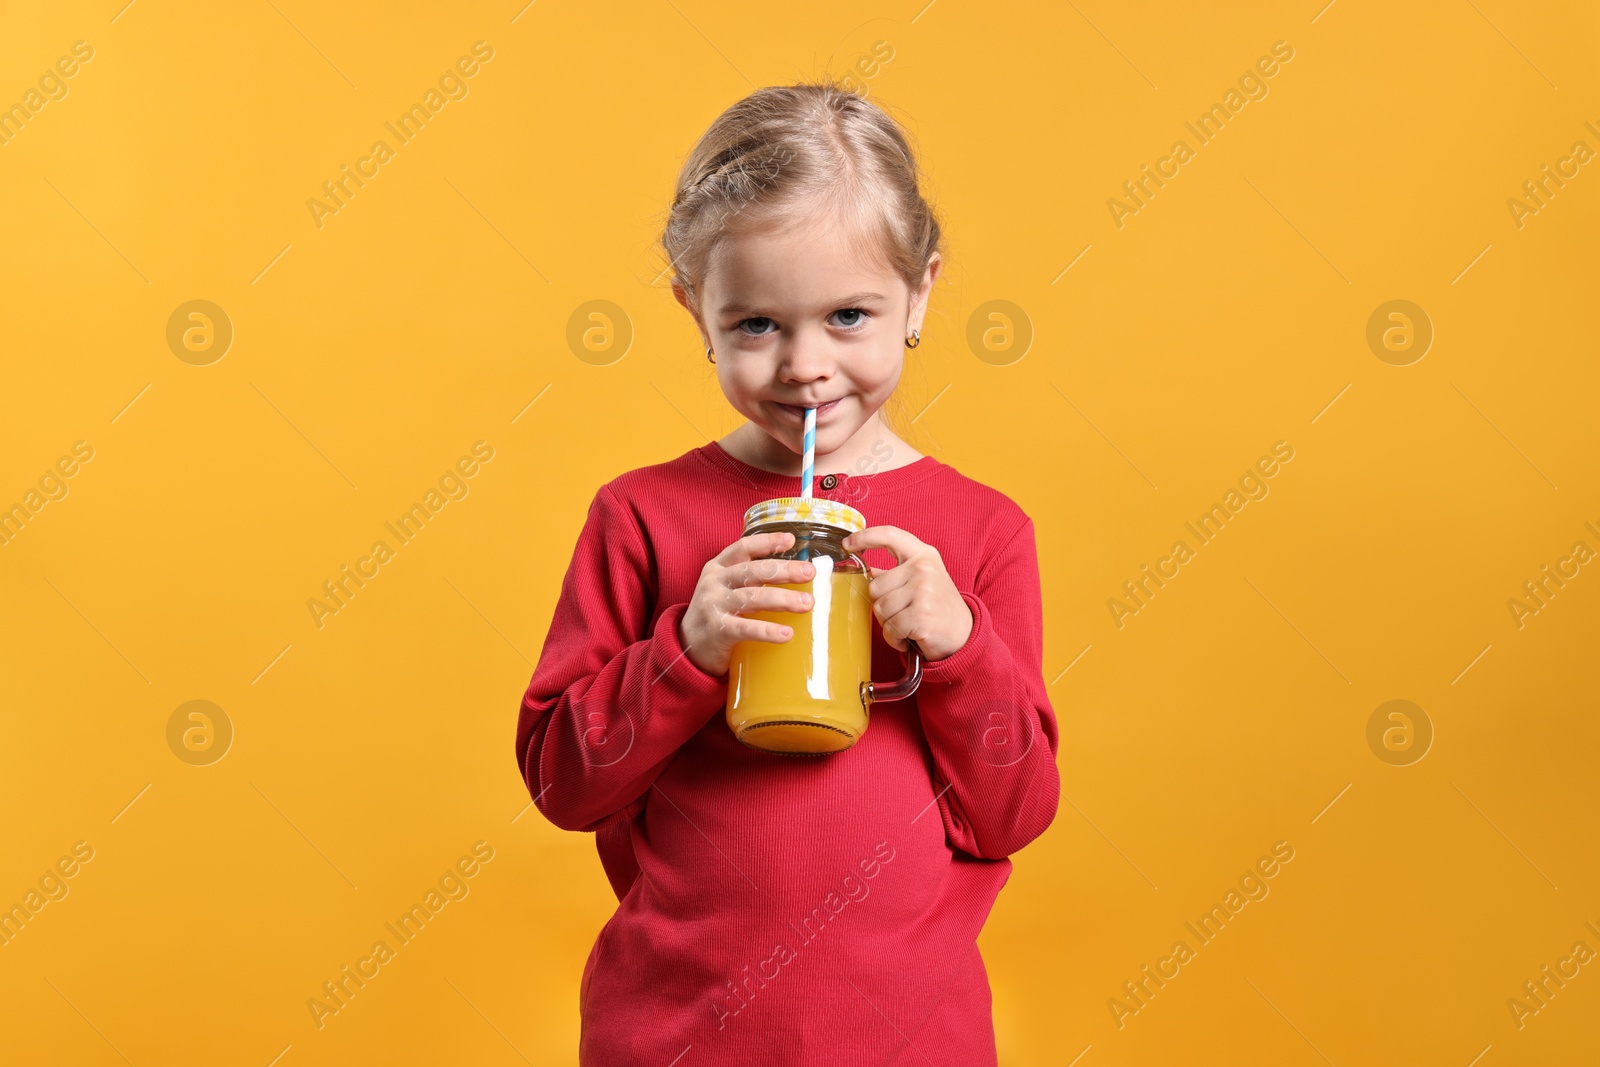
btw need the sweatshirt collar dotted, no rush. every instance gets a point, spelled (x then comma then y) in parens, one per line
(774, 485)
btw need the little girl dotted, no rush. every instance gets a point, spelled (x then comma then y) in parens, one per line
(777, 910)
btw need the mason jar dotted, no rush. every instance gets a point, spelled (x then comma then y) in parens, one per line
(810, 695)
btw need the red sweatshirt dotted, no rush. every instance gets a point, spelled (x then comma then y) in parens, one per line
(782, 910)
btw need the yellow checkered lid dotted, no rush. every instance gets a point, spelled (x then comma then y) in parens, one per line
(805, 509)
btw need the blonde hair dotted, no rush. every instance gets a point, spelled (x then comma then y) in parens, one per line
(784, 152)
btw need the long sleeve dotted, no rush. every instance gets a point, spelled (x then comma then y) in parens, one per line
(987, 716)
(611, 699)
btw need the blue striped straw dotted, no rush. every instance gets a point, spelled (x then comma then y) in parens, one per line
(810, 452)
(809, 462)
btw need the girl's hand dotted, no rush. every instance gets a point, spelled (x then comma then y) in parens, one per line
(916, 599)
(736, 581)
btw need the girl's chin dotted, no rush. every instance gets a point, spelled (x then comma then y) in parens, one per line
(793, 438)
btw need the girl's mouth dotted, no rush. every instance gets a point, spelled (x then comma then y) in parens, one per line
(800, 413)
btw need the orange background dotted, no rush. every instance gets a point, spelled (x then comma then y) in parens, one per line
(1164, 357)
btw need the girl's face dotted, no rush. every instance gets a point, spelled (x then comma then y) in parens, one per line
(803, 318)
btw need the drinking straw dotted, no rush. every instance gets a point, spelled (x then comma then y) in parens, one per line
(809, 462)
(810, 452)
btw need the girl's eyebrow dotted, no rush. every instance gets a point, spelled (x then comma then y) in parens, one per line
(753, 309)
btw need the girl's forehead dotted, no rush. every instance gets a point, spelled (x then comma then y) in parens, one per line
(796, 265)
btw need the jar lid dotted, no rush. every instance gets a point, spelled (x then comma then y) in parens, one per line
(806, 509)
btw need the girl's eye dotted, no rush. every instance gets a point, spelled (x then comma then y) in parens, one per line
(854, 319)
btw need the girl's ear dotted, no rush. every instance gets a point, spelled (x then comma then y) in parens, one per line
(919, 299)
(683, 298)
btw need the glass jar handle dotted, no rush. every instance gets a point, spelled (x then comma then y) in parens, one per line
(877, 692)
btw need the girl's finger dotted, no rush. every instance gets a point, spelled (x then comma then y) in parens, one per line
(767, 598)
(757, 546)
(770, 571)
(887, 581)
(754, 546)
(893, 634)
(739, 628)
(891, 604)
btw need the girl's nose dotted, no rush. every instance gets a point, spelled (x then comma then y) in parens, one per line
(806, 359)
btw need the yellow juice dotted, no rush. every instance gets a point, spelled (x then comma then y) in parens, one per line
(804, 695)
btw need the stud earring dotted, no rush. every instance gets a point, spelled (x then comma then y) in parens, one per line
(709, 355)
(915, 339)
